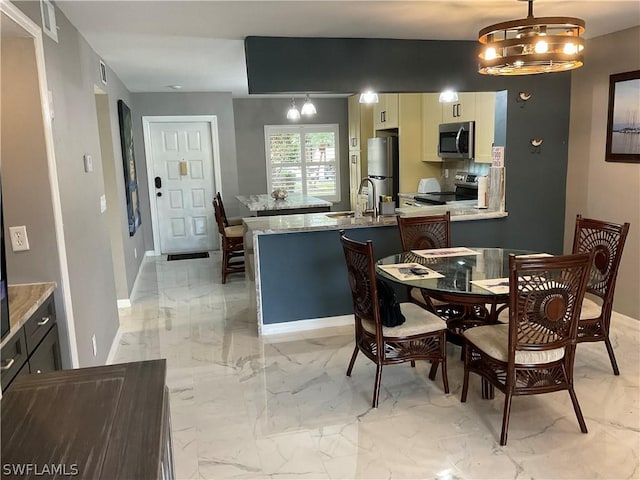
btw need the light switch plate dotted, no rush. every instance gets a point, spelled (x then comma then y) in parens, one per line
(88, 163)
(103, 203)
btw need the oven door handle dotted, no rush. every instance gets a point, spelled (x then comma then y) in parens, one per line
(458, 135)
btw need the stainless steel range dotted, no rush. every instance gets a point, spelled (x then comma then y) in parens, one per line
(466, 193)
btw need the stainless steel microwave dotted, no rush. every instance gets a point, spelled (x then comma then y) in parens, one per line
(456, 140)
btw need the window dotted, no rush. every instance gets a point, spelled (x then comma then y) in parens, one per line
(304, 159)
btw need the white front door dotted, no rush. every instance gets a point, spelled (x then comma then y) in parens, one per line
(182, 158)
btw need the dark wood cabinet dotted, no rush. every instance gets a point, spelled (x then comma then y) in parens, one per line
(110, 422)
(46, 358)
(34, 346)
(14, 357)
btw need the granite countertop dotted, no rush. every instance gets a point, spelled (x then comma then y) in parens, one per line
(294, 200)
(24, 300)
(331, 221)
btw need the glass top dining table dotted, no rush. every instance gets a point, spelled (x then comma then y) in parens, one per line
(470, 285)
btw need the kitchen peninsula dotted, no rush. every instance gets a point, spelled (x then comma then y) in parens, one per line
(295, 263)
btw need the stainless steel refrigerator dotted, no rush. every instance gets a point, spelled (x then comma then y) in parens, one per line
(382, 166)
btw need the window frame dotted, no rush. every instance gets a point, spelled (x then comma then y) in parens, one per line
(302, 130)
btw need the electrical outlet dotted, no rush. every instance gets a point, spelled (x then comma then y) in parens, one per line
(19, 239)
(94, 345)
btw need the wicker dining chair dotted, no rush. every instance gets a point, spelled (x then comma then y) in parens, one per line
(232, 244)
(607, 241)
(418, 233)
(420, 337)
(534, 352)
(227, 221)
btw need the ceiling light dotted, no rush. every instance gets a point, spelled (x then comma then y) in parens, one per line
(308, 108)
(448, 96)
(369, 97)
(175, 87)
(293, 113)
(531, 45)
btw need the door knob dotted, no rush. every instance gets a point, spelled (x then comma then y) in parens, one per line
(159, 194)
(158, 182)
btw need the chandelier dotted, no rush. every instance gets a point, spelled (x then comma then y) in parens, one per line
(531, 45)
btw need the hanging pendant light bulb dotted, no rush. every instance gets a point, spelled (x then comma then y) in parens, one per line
(308, 108)
(293, 113)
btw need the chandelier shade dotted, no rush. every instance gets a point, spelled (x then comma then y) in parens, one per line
(293, 113)
(531, 45)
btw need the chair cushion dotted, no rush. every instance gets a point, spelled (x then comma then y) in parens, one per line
(418, 321)
(503, 316)
(494, 341)
(232, 231)
(590, 309)
(416, 294)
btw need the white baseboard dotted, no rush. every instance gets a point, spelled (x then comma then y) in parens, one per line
(305, 325)
(114, 347)
(124, 303)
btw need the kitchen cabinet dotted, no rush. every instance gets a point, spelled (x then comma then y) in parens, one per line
(360, 130)
(485, 113)
(431, 120)
(33, 346)
(102, 422)
(360, 123)
(355, 176)
(463, 110)
(385, 112)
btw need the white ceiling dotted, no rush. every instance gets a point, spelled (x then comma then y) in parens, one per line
(199, 44)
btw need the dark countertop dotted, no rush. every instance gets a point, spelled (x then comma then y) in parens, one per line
(24, 300)
(103, 422)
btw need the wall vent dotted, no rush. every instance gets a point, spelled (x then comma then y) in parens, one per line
(49, 25)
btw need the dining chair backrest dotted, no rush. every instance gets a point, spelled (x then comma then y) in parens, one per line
(217, 210)
(362, 278)
(606, 240)
(433, 231)
(223, 214)
(545, 296)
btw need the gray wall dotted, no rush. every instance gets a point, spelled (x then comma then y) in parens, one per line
(535, 181)
(595, 188)
(166, 104)
(72, 70)
(252, 114)
(25, 175)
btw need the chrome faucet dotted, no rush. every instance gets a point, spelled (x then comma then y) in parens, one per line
(373, 187)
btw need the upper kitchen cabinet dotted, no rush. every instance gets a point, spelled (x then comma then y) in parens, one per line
(463, 110)
(360, 123)
(485, 125)
(431, 119)
(385, 112)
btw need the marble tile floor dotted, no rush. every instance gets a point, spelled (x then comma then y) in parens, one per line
(282, 407)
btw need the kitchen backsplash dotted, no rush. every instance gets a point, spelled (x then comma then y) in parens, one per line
(469, 166)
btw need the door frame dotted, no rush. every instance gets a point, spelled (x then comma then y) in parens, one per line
(34, 31)
(212, 120)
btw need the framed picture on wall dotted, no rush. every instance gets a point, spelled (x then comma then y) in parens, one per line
(623, 121)
(129, 164)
